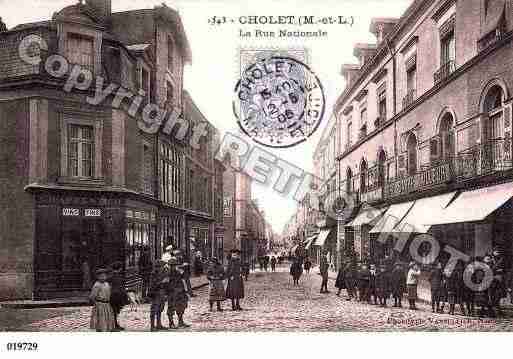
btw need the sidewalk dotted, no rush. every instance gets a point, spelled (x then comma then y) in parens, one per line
(196, 283)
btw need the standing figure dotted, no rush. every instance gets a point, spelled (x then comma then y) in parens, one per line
(273, 264)
(383, 285)
(307, 265)
(498, 287)
(363, 283)
(102, 315)
(183, 263)
(177, 294)
(323, 269)
(436, 278)
(412, 281)
(157, 293)
(119, 297)
(198, 264)
(296, 270)
(398, 284)
(215, 276)
(373, 295)
(453, 285)
(350, 277)
(235, 287)
(340, 282)
(145, 268)
(266, 262)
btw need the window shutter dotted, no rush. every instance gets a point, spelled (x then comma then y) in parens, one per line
(402, 164)
(484, 129)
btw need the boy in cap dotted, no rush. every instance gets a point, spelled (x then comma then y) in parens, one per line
(177, 295)
(157, 293)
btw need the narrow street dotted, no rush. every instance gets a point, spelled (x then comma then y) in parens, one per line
(272, 304)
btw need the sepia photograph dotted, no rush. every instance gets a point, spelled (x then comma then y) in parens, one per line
(276, 168)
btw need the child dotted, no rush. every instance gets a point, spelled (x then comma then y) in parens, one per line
(398, 281)
(411, 282)
(157, 293)
(383, 285)
(177, 295)
(436, 283)
(102, 316)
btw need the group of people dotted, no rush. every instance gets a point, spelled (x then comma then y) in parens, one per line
(375, 284)
(264, 262)
(297, 266)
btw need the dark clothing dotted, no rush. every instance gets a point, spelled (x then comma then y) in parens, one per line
(118, 297)
(235, 288)
(145, 267)
(436, 280)
(157, 290)
(307, 265)
(398, 284)
(177, 295)
(340, 282)
(363, 284)
(350, 277)
(372, 294)
(383, 290)
(296, 270)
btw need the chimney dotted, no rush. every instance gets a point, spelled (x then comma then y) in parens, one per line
(102, 7)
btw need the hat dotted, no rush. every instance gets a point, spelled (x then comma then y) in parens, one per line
(101, 271)
(169, 248)
(173, 261)
(116, 266)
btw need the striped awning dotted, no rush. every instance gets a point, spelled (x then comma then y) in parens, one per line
(310, 241)
(321, 238)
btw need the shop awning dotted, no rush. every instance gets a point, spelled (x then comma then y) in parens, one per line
(310, 241)
(321, 238)
(474, 206)
(367, 217)
(422, 211)
(392, 217)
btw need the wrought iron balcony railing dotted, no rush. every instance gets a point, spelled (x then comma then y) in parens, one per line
(409, 98)
(444, 71)
(491, 156)
(490, 39)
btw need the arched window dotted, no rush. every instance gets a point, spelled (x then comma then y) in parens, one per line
(412, 154)
(493, 128)
(448, 145)
(349, 180)
(363, 176)
(382, 158)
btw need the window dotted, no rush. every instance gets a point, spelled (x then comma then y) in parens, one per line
(147, 167)
(349, 181)
(170, 174)
(363, 177)
(80, 50)
(382, 104)
(493, 106)
(145, 81)
(411, 80)
(169, 93)
(170, 54)
(80, 151)
(412, 155)
(448, 50)
(382, 158)
(349, 134)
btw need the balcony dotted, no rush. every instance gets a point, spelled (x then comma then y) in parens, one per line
(409, 98)
(444, 71)
(490, 39)
(427, 178)
(486, 158)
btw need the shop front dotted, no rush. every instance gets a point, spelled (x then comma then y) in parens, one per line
(75, 233)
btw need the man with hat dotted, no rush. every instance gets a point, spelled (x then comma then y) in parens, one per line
(398, 284)
(157, 293)
(235, 288)
(176, 294)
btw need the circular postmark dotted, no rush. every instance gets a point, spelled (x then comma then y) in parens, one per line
(279, 102)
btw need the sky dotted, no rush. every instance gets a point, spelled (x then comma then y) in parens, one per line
(213, 73)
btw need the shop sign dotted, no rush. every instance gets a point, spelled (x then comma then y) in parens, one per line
(71, 212)
(92, 212)
(228, 206)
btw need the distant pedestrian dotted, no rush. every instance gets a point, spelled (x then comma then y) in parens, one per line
(323, 269)
(157, 293)
(273, 264)
(363, 283)
(245, 270)
(307, 265)
(266, 262)
(372, 295)
(235, 287)
(296, 269)
(340, 282)
(119, 297)
(102, 315)
(350, 278)
(398, 284)
(215, 276)
(412, 281)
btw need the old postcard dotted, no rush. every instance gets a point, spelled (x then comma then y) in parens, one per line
(254, 166)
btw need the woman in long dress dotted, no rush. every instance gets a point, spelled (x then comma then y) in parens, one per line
(216, 293)
(102, 315)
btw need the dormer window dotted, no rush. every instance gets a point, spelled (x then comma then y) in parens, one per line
(80, 50)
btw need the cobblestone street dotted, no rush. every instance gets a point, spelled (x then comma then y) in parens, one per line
(272, 303)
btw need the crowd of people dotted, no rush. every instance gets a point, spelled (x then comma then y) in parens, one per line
(168, 282)
(375, 284)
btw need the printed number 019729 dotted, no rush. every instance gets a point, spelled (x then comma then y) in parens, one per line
(19, 346)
